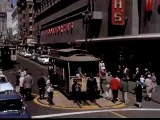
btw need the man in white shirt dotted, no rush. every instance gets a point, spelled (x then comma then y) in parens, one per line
(28, 83)
(21, 85)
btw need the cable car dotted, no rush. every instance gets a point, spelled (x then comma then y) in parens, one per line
(74, 64)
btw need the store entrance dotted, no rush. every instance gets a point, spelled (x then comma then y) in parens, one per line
(142, 54)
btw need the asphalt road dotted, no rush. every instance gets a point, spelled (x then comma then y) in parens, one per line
(149, 110)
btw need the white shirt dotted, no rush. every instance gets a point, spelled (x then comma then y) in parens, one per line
(21, 81)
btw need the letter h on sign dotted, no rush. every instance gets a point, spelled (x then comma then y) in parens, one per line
(118, 12)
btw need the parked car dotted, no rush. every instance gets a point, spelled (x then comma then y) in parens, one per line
(44, 59)
(12, 106)
(5, 86)
(34, 56)
(27, 54)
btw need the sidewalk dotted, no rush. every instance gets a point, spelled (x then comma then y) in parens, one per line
(155, 94)
(60, 101)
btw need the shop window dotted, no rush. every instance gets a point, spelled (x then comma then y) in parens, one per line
(30, 15)
(30, 33)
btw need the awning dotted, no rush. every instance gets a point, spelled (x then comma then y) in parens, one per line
(124, 38)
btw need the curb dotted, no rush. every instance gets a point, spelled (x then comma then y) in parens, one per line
(79, 107)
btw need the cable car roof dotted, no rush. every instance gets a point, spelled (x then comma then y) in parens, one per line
(78, 58)
(70, 50)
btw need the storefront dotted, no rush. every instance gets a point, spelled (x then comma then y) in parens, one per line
(97, 23)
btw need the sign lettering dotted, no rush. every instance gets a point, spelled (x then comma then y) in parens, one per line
(118, 12)
(58, 29)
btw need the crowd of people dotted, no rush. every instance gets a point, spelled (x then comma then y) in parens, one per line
(111, 84)
(24, 83)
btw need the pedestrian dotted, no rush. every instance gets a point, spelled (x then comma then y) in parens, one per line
(76, 91)
(124, 89)
(41, 86)
(103, 74)
(154, 79)
(115, 86)
(17, 81)
(25, 71)
(50, 94)
(50, 72)
(106, 85)
(21, 85)
(149, 87)
(120, 71)
(138, 92)
(126, 72)
(19, 70)
(142, 81)
(147, 72)
(28, 85)
(47, 86)
(137, 74)
(92, 88)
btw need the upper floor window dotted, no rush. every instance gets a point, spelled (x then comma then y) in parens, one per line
(30, 7)
(30, 15)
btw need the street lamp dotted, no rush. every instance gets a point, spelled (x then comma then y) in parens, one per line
(86, 21)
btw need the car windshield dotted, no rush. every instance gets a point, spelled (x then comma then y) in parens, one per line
(3, 80)
(12, 104)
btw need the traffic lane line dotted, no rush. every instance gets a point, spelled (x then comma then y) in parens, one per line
(117, 114)
(79, 113)
(113, 111)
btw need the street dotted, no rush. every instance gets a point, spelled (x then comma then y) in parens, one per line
(149, 109)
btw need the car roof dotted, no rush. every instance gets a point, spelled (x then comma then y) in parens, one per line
(10, 96)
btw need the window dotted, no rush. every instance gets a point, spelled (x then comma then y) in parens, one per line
(30, 23)
(30, 15)
(30, 6)
(30, 33)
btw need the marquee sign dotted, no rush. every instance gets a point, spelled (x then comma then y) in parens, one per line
(118, 12)
(58, 29)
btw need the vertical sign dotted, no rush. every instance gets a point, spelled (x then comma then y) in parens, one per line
(118, 12)
(149, 5)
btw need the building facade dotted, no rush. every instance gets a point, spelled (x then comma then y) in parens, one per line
(5, 17)
(25, 22)
(15, 23)
(117, 29)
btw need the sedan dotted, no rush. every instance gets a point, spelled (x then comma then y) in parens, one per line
(27, 54)
(5, 86)
(34, 56)
(12, 106)
(44, 59)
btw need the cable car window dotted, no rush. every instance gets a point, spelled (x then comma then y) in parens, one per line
(84, 67)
